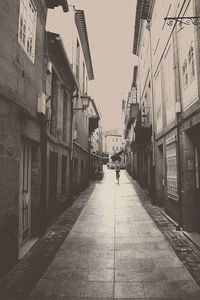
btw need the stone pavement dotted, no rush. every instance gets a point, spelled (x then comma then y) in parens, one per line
(19, 282)
(115, 250)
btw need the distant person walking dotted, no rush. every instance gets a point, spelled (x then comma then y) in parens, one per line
(117, 170)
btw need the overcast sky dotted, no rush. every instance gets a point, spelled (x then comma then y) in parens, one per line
(110, 25)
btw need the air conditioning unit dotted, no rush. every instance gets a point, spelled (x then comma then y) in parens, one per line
(48, 113)
(41, 104)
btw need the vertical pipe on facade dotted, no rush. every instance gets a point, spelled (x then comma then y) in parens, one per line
(152, 96)
(43, 134)
(71, 152)
(178, 119)
(179, 123)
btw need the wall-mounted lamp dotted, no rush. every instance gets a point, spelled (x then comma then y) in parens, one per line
(85, 103)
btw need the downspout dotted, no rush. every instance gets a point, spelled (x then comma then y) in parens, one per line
(153, 112)
(71, 154)
(179, 123)
(43, 134)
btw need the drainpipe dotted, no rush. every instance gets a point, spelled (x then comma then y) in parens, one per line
(71, 155)
(43, 137)
(179, 117)
(179, 123)
(153, 113)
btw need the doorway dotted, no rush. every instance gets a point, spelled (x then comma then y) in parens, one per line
(25, 193)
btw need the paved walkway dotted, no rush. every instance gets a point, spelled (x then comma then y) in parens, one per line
(115, 250)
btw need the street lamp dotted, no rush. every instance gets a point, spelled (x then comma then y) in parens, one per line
(85, 103)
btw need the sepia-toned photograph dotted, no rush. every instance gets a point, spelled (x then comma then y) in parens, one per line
(99, 149)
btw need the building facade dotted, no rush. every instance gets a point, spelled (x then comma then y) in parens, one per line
(73, 31)
(130, 110)
(60, 86)
(172, 82)
(22, 84)
(112, 141)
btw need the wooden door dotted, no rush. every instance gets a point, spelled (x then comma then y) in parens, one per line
(25, 193)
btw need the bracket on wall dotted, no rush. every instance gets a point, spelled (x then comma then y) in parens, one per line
(182, 20)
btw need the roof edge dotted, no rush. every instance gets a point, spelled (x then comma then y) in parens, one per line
(57, 38)
(142, 10)
(82, 30)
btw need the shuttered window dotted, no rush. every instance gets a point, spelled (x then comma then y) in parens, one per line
(171, 157)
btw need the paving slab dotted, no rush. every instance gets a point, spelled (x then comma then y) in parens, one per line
(114, 247)
(116, 251)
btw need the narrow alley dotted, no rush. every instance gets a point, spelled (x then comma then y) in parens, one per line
(115, 250)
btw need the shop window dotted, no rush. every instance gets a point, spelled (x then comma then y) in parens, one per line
(171, 158)
(27, 27)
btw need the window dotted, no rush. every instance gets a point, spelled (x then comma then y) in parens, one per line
(185, 73)
(171, 169)
(83, 78)
(169, 79)
(77, 59)
(27, 27)
(64, 174)
(86, 85)
(191, 62)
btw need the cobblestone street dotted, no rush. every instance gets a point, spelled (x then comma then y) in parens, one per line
(112, 243)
